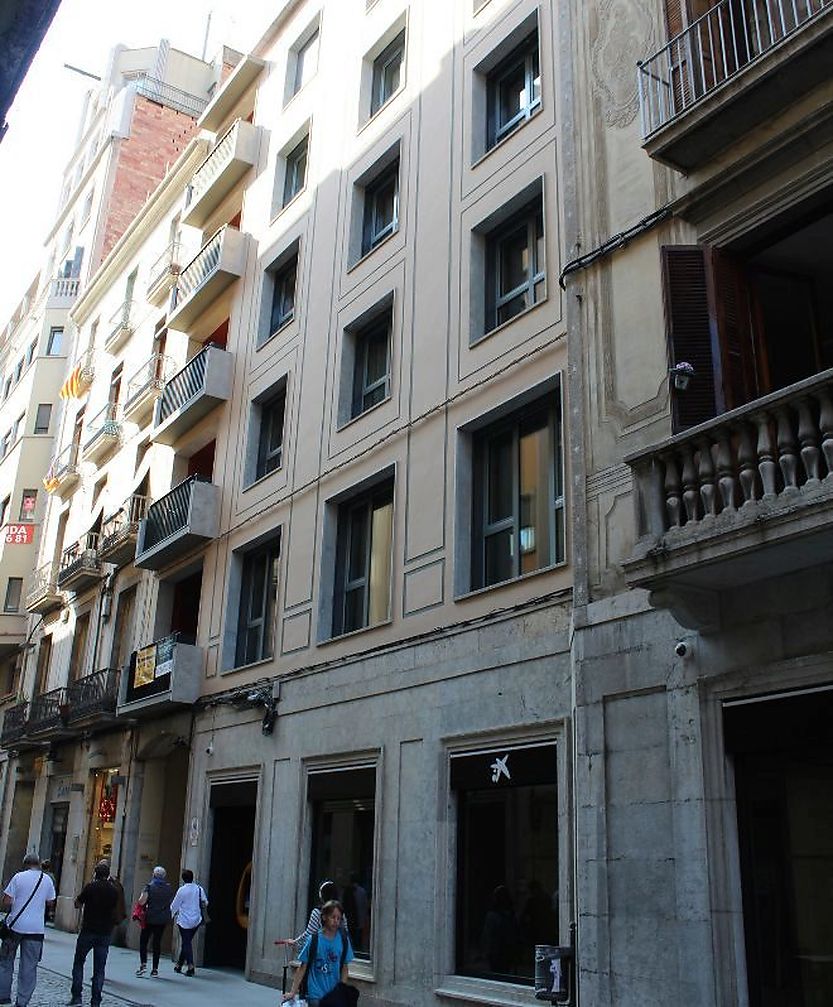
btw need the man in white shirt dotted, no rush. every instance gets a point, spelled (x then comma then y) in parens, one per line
(26, 898)
(187, 908)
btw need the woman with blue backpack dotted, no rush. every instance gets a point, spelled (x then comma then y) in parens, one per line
(324, 958)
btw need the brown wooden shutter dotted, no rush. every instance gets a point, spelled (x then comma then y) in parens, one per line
(735, 330)
(674, 17)
(691, 326)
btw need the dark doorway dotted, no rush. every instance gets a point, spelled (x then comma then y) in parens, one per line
(185, 607)
(784, 786)
(58, 840)
(233, 810)
(202, 462)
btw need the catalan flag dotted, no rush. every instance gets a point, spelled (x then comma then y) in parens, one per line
(50, 483)
(71, 388)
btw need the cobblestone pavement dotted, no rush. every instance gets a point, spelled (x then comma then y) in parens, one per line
(53, 989)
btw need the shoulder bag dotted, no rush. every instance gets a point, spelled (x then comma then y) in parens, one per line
(6, 925)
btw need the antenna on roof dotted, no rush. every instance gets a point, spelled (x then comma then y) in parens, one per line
(207, 30)
(84, 73)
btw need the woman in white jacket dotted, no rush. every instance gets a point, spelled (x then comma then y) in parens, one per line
(187, 909)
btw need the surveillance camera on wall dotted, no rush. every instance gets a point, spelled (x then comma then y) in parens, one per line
(209, 749)
(681, 648)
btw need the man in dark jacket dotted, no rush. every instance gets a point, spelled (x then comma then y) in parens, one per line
(98, 901)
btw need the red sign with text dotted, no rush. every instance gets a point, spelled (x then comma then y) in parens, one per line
(19, 534)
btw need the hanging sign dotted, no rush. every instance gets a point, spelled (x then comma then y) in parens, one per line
(19, 534)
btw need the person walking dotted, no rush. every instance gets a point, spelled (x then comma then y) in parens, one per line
(157, 897)
(26, 898)
(324, 958)
(187, 909)
(327, 892)
(98, 900)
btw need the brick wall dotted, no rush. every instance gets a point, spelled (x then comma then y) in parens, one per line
(157, 137)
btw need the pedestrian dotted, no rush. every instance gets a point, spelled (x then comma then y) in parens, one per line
(26, 898)
(327, 892)
(157, 896)
(324, 958)
(98, 900)
(188, 908)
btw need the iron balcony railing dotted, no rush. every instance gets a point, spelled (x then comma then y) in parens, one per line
(81, 555)
(47, 710)
(711, 50)
(198, 270)
(170, 514)
(215, 162)
(105, 423)
(121, 322)
(94, 694)
(184, 385)
(166, 94)
(166, 265)
(123, 523)
(151, 376)
(14, 723)
(44, 581)
(63, 465)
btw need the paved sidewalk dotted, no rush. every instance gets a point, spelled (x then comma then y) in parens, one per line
(122, 988)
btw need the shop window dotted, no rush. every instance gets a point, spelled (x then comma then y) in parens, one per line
(507, 859)
(518, 495)
(342, 805)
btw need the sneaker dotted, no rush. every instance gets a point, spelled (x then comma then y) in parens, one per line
(191, 971)
(177, 968)
(154, 973)
(140, 971)
(75, 1003)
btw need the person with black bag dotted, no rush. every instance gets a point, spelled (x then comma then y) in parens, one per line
(324, 959)
(26, 899)
(98, 900)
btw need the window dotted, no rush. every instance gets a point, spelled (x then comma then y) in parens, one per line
(30, 353)
(55, 341)
(44, 657)
(306, 61)
(283, 295)
(506, 891)
(17, 428)
(296, 171)
(516, 265)
(518, 495)
(363, 560)
(513, 90)
(5, 443)
(4, 510)
(381, 207)
(7, 388)
(371, 369)
(123, 634)
(18, 371)
(88, 207)
(14, 587)
(343, 811)
(28, 502)
(258, 597)
(79, 647)
(387, 72)
(42, 418)
(270, 435)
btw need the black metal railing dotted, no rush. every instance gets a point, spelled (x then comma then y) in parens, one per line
(94, 694)
(185, 384)
(81, 555)
(123, 523)
(151, 667)
(174, 97)
(14, 723)
(170, 514)
(47, 710)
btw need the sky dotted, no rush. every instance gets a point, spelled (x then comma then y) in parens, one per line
(43, 121)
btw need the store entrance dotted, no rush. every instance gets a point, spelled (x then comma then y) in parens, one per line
(58, 840)
(229, 884)
(784, 786)
(102, 819)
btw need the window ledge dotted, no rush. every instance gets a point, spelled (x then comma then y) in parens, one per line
(386, 104)
(248, 667)
(259, 480)
(475, 164)
(485, 991)
(366, 255)
(361, 416)
(361, 970)
(285, 206)
(513, 580)
(274, 335)
(355, 632)
(511, 321)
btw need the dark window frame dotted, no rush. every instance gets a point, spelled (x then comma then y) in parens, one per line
(499, 296)
(525, 57)
(56, 334)
(295, 170)
(375, 227)
(382, 89)
(284, 277)
(301, 54)
(11, 594)
(272, 418)
(365, 389)
(40, 426)
(252, 617)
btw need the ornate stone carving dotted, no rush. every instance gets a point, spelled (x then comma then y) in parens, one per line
(625, 35)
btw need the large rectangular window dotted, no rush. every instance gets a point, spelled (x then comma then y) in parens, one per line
(306, 61)
(270, 434)
(55, 342)
(507, 859)
(387, 72)
(343, 809)
(363, 560)
(371, 367)
(518, 497)
(514, 90)
(295, 177)
(14, 588)
(42, 418)
(258, 598)
(516, 265)
(79, 647)
(283, 295)
(381, 207)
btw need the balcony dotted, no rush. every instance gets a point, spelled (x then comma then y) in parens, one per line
(186, 517)
(12, 632)
(163, 273)
(65, 470)
(202, 384)
(217, 265)
(162, 676)
(80, 566)
(743, 497)
(144, 387)
(104, 433)
(14, 725)
(93, 699)
(44, 595)
(121, 327)
(62, 292)
(234, 153)
(47, 715)
(738, 65)
(117, 543)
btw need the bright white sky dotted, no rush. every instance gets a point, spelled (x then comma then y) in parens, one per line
(43, 121)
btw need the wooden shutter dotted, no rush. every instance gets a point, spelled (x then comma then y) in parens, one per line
(691, 325)
(735, 330)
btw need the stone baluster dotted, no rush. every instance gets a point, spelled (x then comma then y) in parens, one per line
(651, 490)
(691, 495)
(747, 472)
(766, 456)
(808, 439)
(726, 469)
(708, 492)
(787, 448)
(826, 428)
(672, 491)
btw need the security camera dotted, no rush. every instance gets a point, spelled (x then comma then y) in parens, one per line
(209, 750)
(681, 648)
